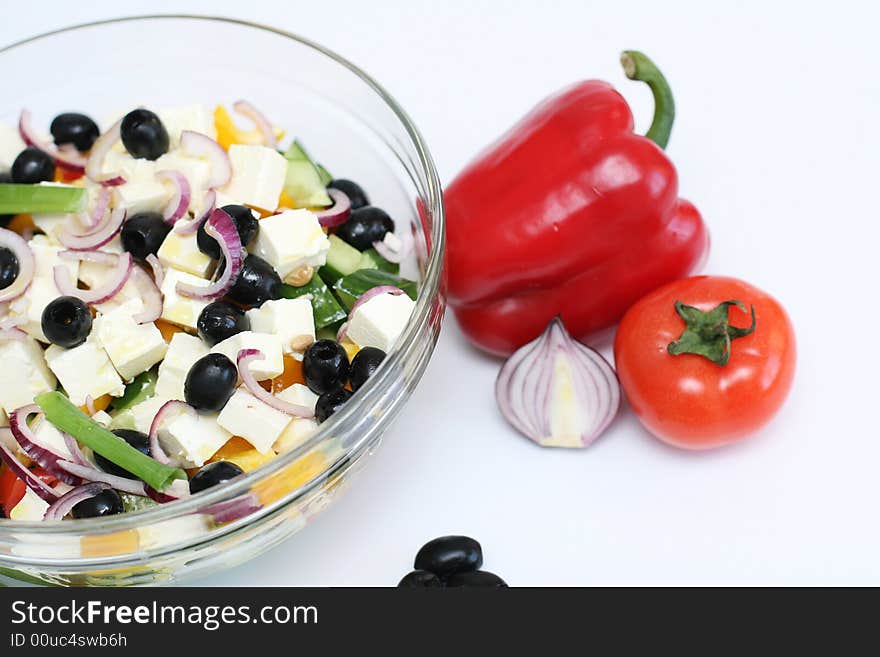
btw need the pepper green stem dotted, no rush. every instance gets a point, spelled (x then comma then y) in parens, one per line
(709, 334)
(637, 66)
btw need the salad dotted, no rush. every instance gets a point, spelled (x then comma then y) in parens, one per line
(181, 300)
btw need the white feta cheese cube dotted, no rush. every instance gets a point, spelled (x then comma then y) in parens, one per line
(196, 171)
(197, 118)
(140, 416)
(31, 507)
(258, 423)
(258, 175)
(191, 439)
(133, 348)
(393, 242)
(182, 252)
(31, 376)
(49, 436)
(103, 418)
(291, 240)
(267, 367)
(299, 394)
(42, 290)
(380, 321)
(11, 145)
(141, 196)
(84, 371)
(295, 434)
(94, 274)
(179, 309)
(292, 320)
(52, 224)
(183, 351)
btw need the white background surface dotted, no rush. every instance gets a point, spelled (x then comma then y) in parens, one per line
(776, 141)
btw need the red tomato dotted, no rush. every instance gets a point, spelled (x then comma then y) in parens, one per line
(687, 400)
(12, 488)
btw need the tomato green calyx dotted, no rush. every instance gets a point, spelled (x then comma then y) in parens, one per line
(709, 333)
(638, 66)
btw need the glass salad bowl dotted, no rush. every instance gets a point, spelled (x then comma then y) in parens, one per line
(359, 132)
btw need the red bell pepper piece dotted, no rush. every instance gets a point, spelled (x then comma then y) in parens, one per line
(569, 213)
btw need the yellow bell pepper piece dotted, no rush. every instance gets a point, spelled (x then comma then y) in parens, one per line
(228, 133)
(239, 451)
(290, 478)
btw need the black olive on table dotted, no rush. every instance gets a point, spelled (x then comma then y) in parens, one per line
(330, 402)
(210, 382)
(143, 134)
(245, 223)
(8, 267)
(66, 321)
(355, 193)
(257, 282)
(33, 166)
(74, 128)
(476, 579)
(365, 226)
(212, 474)
(220, 320)
(420, 579)
(137, 439)
(325, 366)
(105, 503)
(448, 555)
(363, 365)
(143, 234)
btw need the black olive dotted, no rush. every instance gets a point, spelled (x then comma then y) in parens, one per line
(143, 134)
(220, 320)
(32, 166)
(330, 402)
(8, 267)
(137, 439)
(352, 190)
(365, 362)
(257, 283)
(325, 366)
(105, 503)
(76, 129)
(218, 472)
(476, 578)
(143, 234)
(66, 321)
(245, 223)
(210, 382)
(420, 579)
(450, 554)
(365, 226)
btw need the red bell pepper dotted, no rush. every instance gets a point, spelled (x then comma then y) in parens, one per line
(569, 213)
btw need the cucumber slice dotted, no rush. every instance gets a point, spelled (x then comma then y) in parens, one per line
(349, 288)
(370, 259)
(324, 175)
(18, 199)
(342, 259)
(303, 185)
(326, 308)
(328, 332)
(141, 388)
(297, 152)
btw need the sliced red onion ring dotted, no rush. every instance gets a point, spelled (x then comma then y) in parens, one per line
(234, 509)
(259, 120)
(73, 447)
(91, 220)
(199, 145)
(389, 254)
(177, 489)
(98, 257)
(13, 322)
(338, 213)
(26, 264)
(96, 237)
(150, 294)
(88, 473)
(168, 408)
(70, 159)
(373, 292)
(179, 202)
(245, 356)
(95, 163)
(44, 455)
(64, 504)
(221, 227)
(37, 485)
(156, 266)
(115, 281)
(12, 334)
(90, 405)
(557, 391)
(191, 226)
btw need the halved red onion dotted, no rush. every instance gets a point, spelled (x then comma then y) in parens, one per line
(177, 206)
(557, 391)
(88, 473)
(64, 504)
(245, 356)
(156, 266)
(69, 159)
(373, 292)
(199, 145)
(191, 226)
(221, 227)
(44, 455)
(338, 213)
(259, 120)
(37, 485)
(235, 509)
(74, 449)
(91, 220)
(172, 407)
(95, 164)
(150, 294)
(26, 264)
(96, 237)
(115, 281)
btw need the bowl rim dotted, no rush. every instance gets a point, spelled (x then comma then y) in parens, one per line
(429, 288)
